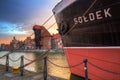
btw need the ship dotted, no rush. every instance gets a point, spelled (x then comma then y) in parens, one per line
(90, 30)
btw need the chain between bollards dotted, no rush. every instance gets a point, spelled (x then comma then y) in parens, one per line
(85, 69)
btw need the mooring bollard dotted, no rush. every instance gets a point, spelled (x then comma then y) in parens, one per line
(86, 69)
(22, 66)
(45, 68)
(15, 69)
(7, 63)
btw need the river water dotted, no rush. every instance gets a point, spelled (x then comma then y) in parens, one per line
(57, 58)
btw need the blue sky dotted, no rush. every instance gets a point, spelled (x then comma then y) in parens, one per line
(18, 16)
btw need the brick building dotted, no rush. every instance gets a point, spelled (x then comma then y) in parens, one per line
(56, 41)
(44, 37)
(29, 44)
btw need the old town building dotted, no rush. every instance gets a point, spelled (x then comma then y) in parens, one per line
(43, 37)
(56, 41)
(29, 43)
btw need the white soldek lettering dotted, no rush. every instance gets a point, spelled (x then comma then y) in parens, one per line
(85, 19)
(107, 13)
(100, 14)
(75, 20)
(80, 20)
(91, 16)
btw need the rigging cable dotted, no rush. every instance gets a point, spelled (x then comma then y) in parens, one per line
(41, 57)
(44, 23)
(82, 15)
(77, 23)
(10, 52)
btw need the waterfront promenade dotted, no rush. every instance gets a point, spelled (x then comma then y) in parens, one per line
(28, 75)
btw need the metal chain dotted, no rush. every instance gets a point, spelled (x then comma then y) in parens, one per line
(39, 58)
(27, 59)
(117, 73)
(14, 60)
(66, 66)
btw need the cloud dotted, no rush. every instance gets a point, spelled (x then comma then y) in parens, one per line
(12, 29)
(17, 17)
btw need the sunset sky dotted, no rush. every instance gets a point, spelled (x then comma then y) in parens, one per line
(17, 17)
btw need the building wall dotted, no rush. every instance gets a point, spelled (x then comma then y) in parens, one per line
(29, 43)
(56, 41)
(45, 41)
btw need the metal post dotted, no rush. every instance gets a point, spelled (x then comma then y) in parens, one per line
(86, 69)
(45, 68)
(22, 66)
(7, 63)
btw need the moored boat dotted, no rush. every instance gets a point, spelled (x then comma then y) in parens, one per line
(90, 29)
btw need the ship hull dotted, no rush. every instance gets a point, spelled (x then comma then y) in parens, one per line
(90, 29)
(106, 58)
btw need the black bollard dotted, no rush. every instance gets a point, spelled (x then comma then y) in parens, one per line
(7, 63)
(22, 66)
(45, 68)
(86, 69)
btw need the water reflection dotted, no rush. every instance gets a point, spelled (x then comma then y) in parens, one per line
(57, 58)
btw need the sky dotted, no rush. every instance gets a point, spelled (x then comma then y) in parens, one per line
(17, 17)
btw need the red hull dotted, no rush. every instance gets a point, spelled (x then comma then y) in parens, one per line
(106, 58)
